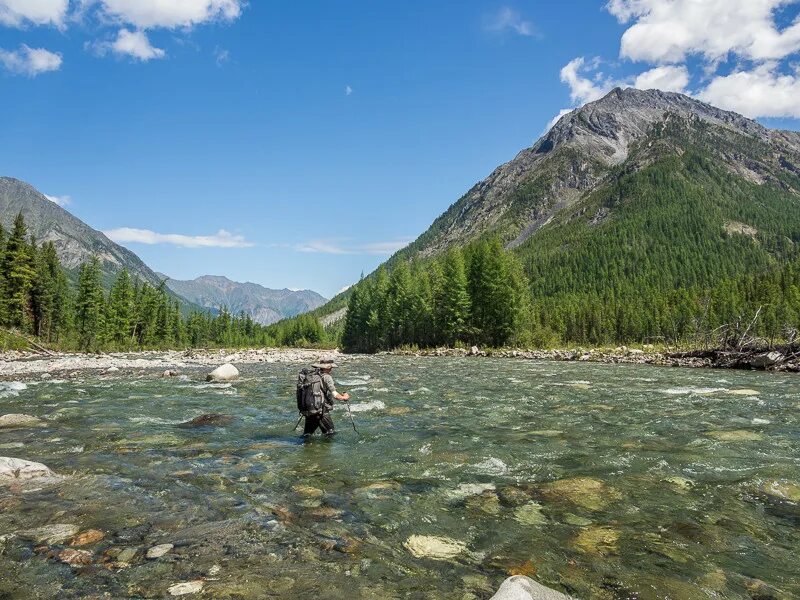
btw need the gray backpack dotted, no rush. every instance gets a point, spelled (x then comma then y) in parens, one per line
(310, 394)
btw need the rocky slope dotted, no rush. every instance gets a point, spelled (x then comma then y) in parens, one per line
(575, 189)
(74, 240)
(264, 305)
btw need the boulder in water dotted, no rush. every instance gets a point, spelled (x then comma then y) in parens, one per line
(75, 558)
(586, 492)
(85, 538)
(226, 372)
(209, 420)
(437, 548)
(17, 469)
(50, 534)
(158, 551)
(190, 587)
(17, 420)
(521, 587)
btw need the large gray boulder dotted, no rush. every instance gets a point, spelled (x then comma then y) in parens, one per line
(226, 372)
(18, 420)
(15, 470)
(520, 587)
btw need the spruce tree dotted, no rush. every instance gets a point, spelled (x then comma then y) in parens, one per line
(89, 305)
(119, 316)
(19, 271)
(454, 307)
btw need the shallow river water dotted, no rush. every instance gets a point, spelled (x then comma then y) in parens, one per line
(603, 481)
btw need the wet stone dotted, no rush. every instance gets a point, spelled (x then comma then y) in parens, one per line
(158, 551)
(88, 537)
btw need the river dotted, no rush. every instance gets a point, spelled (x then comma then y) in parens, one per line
(603, 481)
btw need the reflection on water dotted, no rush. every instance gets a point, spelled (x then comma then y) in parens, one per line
(603, 481)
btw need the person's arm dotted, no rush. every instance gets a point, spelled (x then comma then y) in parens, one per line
(330, 386)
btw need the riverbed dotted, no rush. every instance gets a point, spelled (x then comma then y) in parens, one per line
(602, 481)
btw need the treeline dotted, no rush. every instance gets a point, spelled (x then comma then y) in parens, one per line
(474, 295)
(36, 298)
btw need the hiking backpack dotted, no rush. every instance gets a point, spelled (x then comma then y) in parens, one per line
(310, 396)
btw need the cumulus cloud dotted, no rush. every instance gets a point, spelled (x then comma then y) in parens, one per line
(582, 88)
(222, 239)
(666, 78)
(30, 61)
(135, 44)
(667, 31)
(339, 247)
(146, 14)
(60, 200)
(20, 13)
(761, 92)
(665, 34)
(509, 20)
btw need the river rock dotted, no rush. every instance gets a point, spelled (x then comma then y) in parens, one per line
(18, 420)
(437, 548)
(159, 551)
(50, 534)
(598, 540)
(190, 587)
(530, 514)
(75, 558)
(226, 372)
(85, 538)
(767, 359)
(209, 420)
(17, 469)
(782, 490)
(520, 587)
(586, 492)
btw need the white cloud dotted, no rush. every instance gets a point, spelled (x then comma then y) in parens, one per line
(557, 118)
(760, 92)
(30, 61)
(667, 31)
(60, 200)
(221, 56)
(508, 19)
(348, 90)
(171, 14)
(344, 289)
(135, 44)
(19, 13)
(222, 239)
(667, 78)
(336, 247)
(582, 89)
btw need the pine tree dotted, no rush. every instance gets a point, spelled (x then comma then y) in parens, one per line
(120, 315)
(89, 305)
(19, 271)
(454, 300)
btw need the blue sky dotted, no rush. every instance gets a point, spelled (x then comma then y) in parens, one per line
(297, 144)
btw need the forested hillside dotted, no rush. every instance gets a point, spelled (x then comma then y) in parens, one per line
(643, 217)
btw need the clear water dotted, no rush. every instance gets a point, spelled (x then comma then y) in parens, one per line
(606, 481)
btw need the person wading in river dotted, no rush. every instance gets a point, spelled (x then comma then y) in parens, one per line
(316, 393)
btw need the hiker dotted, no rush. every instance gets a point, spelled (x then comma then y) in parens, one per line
(316, 393)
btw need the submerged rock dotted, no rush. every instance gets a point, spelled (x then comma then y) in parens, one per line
(586, 492)
(209, 420)
(75, 558)
(50, 534)
(782, 490)
(738, 435)
(189, 587)
(437, 548)
(226, 372)
(530, 514)
(520, 587)
(90, 536)
(159, 551)
(598, 540)
(16, 469)
(19, 420)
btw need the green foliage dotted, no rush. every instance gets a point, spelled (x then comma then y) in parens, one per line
(18, 276)
(477, 295)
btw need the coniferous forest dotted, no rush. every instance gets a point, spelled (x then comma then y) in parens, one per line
(38, 299)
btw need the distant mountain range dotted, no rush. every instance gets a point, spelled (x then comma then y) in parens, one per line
(264, 305)
(75, 242)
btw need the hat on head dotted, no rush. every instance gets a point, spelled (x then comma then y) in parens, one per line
(325, 363)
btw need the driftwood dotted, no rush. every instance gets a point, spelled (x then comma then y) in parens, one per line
(755, 357)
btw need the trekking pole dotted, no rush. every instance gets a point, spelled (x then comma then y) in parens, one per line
(298, 423)
(351, 417)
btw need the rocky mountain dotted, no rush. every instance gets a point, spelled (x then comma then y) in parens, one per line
(264, 305)
(74, 240)
(638, 189)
